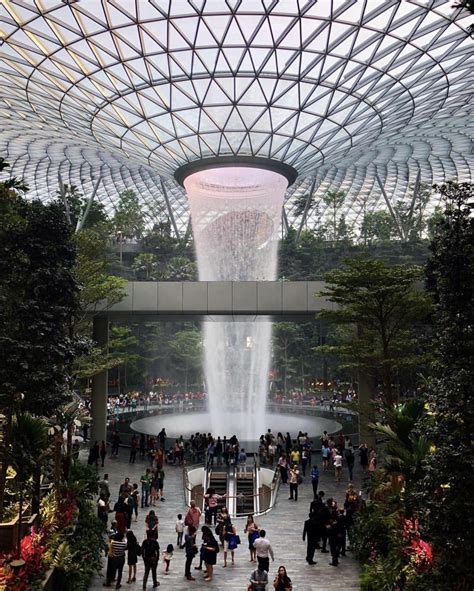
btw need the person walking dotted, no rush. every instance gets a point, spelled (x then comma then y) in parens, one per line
(190, 550)
(133, 550)
(264, 551)
(315, 480)
(104, 487)
(230, 540)
(151, 555)
(179, 529)
(337, 465)
(310, 532)
(151, 521)
(251, 529)
(103, 452)
(294, 476)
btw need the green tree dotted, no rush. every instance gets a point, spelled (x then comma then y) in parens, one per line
(128, 219)
(334, 201)
(180, 268)
(39, 298)
(410, 214)
(446, 495)
(384, 306)
(146, 266)
(186, 352)
(287, 337)
(79, 209)
(377, 226)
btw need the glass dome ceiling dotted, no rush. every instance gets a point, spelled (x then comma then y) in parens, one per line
(363, 96)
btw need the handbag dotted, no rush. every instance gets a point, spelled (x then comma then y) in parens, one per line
(233, 542)
(253, 536)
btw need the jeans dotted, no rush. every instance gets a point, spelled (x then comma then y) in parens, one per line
(145, 494)
(315, 484)
(150, 565)
(293, 491)
(187, 565)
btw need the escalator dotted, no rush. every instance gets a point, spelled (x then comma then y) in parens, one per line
(245, 494)
(218, 481)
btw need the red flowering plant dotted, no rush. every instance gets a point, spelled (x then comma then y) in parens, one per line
(416, 549)
(32, 552)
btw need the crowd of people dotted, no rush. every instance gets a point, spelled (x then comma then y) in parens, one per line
(327, 529)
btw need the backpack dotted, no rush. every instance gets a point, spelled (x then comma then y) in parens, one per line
(299, 479)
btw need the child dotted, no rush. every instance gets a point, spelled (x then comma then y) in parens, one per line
(167, 556)
(179, 530)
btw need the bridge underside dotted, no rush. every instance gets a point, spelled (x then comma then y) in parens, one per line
(220, 300)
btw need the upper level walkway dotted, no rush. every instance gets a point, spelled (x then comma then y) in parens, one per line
(233, 300)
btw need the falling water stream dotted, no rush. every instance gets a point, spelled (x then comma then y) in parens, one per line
(235, 214)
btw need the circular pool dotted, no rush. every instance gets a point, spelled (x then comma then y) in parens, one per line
(187, 424)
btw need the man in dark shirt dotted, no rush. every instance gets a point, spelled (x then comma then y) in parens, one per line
(190, 550)
(151, 555)
(310, 531)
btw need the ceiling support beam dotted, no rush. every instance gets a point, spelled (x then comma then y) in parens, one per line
(83, 215)
(413, 201)
(306, 209)
(170, 210)
(390, 208)
(62, 192)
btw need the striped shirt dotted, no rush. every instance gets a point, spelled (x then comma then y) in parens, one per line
(118, 548)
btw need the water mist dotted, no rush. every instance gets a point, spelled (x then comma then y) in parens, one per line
(236, 214)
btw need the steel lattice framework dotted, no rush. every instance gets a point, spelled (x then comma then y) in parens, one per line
(366, 96)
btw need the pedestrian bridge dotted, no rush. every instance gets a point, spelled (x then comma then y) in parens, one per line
(219, 300)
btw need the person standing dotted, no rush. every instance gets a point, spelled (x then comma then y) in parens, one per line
(209, 549)
(350, 460)
(190, 550)
(258, 580)
(104, 487)
(151, 555)
(133, 550)
(133, 450)
(118, 547)
(337, 465)
(193, 516)
(283, 466)
(230, 540)
(103, 452)
(310, 532)
(135, 498)
(282, 581)
(145, 481)
(294, 474)
(315, 480)
(264, 551)
(364, 456)
(160, 480)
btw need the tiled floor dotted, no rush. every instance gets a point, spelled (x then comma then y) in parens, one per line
(284, 526)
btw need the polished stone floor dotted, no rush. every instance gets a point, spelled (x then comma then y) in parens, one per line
(284, 526)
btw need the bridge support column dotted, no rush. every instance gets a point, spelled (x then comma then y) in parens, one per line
(99, 384)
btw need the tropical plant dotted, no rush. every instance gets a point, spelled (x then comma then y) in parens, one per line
(384, 306)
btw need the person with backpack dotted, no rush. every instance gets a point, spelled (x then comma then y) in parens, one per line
(150, 554)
